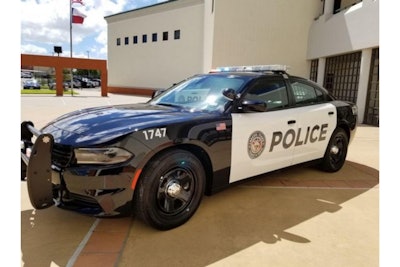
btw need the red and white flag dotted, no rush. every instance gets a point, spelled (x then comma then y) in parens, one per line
(77, 16)
(77, 2)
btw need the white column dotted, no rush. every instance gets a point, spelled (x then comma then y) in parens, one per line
(321, 71)
(363, 83)
(328, 9)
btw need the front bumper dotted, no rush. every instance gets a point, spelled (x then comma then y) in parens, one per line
(81, 188)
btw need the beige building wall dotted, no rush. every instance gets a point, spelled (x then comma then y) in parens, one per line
(156, 64)
(254, 32)
(213, 33)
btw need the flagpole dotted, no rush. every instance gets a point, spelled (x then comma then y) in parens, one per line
(70, 43)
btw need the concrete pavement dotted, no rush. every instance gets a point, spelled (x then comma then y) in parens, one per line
(295, 217)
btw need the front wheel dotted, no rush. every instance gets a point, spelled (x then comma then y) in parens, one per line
(170, 189)
(336, 152)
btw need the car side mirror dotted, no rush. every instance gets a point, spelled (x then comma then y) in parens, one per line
(229, 93)
(253, 106)
(157, 92)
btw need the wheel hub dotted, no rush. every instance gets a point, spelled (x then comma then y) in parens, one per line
(174, 189)
(334, 150)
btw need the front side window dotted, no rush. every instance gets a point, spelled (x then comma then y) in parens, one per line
(272, 91)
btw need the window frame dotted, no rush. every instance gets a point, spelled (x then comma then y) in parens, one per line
(269, 79)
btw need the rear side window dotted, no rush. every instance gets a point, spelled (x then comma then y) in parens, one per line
(306, 94)
(272, 91)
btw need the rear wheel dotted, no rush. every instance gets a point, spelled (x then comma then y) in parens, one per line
(170, 189)
(336, 152)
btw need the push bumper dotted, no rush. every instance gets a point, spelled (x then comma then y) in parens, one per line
(37, 158)
(99, 195)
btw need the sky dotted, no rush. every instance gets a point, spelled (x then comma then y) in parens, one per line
(45, 24)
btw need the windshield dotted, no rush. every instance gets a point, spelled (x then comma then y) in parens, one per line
(203, 92)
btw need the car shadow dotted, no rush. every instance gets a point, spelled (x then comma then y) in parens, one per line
(263, 209)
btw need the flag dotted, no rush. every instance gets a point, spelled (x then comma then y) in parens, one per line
(220, 126)
(77, 2)
(77, 16)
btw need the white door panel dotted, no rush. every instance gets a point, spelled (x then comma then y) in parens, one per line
(257, 145)
(316, 124)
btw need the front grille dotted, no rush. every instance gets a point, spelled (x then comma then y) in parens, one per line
(62, 155)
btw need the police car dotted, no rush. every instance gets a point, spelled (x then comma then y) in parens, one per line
(157, 159)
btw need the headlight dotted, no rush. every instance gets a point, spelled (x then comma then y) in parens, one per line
(354, 110)
(107, 155)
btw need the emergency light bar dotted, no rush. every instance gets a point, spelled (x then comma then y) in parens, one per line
(255, 68)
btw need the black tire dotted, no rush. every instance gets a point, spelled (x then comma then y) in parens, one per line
(23, 170)
(336, 152)
(169, 190)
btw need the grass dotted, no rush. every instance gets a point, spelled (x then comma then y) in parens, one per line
(44, 92)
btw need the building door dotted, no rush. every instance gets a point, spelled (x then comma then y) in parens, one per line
(342, 75)
(372, 106)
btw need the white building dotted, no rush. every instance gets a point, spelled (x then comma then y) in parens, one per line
(332, 42)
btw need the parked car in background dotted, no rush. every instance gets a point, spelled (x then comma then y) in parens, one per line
(31, 84)
(25, 74)
(52, 85)
(76, 84)
(86, 83)
(98, 81)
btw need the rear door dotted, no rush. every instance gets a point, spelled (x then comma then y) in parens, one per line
(316, 121)
(260, 140)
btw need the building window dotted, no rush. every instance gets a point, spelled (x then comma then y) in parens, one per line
(339, 5)
(165, 36)
(177, 34)
(144, 38)
(314, 70)
(154, 37)
(126, 40)
(118, 41)
(342, 74)
(135, 39)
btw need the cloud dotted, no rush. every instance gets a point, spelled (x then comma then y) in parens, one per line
(46, 23)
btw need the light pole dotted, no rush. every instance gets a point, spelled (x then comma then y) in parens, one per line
(88, 74)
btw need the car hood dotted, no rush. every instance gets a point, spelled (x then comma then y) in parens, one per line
(94, 126)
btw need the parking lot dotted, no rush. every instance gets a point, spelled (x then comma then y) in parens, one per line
(299, 216)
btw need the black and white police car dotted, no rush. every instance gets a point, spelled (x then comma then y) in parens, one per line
(159, 158)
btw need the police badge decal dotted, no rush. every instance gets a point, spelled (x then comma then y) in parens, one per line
(256, 144)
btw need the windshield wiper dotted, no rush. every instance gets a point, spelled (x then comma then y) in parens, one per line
(169, 105)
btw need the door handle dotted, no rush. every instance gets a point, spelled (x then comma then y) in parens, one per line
(291, 122)
(331, 113)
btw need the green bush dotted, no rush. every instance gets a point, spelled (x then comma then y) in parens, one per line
(44, 91)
